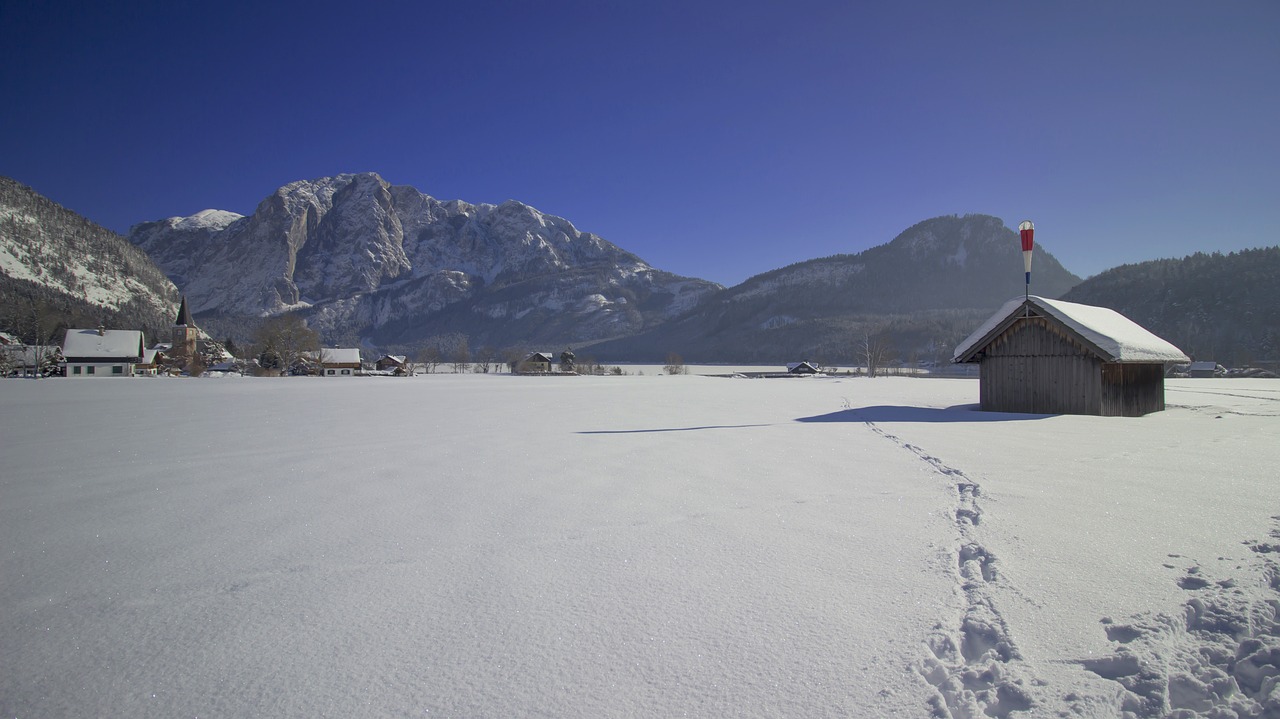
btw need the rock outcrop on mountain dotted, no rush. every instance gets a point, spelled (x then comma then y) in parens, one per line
(58, 269)
(920, 293)
(387, 264)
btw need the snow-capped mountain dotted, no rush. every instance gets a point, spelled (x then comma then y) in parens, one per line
(923, 289)
(387, 262)
(76, 271)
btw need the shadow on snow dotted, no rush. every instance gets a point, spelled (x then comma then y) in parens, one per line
(671, 429)
(897, 413)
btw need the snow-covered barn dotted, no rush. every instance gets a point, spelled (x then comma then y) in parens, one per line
(1053, 357)
(103, 352)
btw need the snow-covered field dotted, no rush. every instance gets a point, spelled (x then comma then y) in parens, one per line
(498, 546)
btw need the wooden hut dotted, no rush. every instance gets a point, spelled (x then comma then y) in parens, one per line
(802, 368)
(1053, 357)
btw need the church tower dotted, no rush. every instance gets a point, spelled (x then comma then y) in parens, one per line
(185, 334)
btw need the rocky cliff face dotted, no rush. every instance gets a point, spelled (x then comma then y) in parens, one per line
(359, 255)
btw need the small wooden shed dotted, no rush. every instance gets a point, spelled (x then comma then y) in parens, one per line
(1052, 357)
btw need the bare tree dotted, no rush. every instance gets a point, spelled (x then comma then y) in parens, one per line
(6, 362)
(196, 366)
(428, 355)
(486, 359)
(36, 325)
(675, 364)
(321, 356)
(460, 354)
(873, 350)
(284, 341)
(512, 357)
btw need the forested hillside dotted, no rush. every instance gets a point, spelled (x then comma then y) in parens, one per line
(915, 297)
(58, 269)
(1224, 308)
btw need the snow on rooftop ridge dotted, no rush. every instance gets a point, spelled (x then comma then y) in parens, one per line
(1116, 335)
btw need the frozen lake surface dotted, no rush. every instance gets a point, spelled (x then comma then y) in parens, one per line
(498, 546)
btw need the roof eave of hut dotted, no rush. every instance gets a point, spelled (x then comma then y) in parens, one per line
(1109, 334)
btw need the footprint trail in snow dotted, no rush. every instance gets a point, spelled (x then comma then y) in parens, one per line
(971, 660)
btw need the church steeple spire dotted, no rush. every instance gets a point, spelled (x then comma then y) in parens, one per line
(186, 336)
(184, 314)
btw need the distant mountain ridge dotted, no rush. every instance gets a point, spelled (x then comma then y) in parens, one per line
(922, 290)
(360, 256)
(1224, 308)
(370, 262)
(78, 272)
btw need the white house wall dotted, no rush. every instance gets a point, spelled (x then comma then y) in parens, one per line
(100, 369)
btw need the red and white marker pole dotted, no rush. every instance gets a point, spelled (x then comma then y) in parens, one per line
(1028, 230)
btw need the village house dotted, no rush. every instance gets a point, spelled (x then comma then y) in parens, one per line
(1203, 369)
(150, 363)
(1052, 357)
(338, 362)
(534, 363)
(103, 352)
(802, 368)
(398, 364)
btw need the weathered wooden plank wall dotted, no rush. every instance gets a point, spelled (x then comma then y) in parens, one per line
(1032, 367)
(1132, 390)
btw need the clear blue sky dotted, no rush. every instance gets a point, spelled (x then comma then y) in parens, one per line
(713, 139)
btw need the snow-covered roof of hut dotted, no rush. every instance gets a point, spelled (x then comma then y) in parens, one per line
(1116, 337)
(110, 343)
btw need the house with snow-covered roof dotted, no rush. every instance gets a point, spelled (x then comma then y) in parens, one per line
(534, 363)
(1203, 368)
(103, 352)
(150, 362)
(337, 361)
(1052, 357)
(391, 363)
